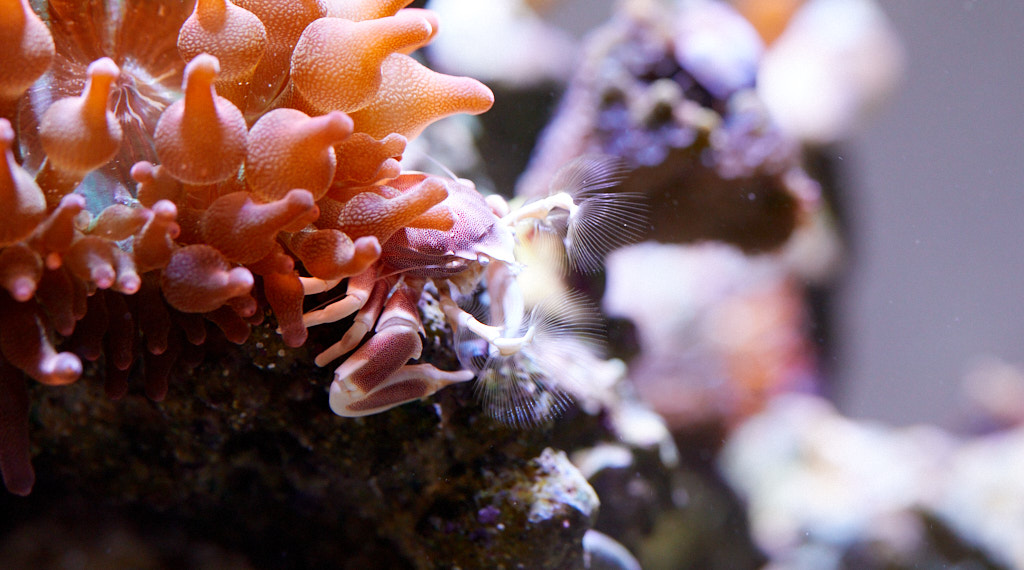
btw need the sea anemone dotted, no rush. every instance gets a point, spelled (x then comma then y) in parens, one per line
(171, 163)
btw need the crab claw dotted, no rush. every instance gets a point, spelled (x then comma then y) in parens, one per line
(376, 377)
(408, 383)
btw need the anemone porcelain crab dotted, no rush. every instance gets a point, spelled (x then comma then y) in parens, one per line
(515, 354)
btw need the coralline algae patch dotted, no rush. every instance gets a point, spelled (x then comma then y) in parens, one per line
(169, 164)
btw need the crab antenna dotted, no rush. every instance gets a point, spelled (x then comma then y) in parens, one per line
(441, 166)
(312, 285)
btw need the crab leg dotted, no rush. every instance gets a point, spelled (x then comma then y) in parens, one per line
(313, 285)
(362, 324)
(359, 289)
(376, 376)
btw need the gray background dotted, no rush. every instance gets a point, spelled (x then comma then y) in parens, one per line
(935, 200)
(937, 209)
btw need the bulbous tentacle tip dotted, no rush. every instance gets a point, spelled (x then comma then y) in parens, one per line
(285, 294)
(81, 134)
(143, 172)
(22, 288)
(201, 139)
(154, 184)
(245, 231)
(232, 34)
(72, 204)
(97, 260)
(370, 214)
(21, 268)
(213, 12)
(244, 305)
(768, 18)
(288, 149)
(331, 128)
(128, 284)
(239, 282)
(367, 159)
(359, 10)
(367, 250)
(165, 209)
(128, 280)
(412, 96)
(60, 369)
(95, 97)
(299, 198)
(54, 235)
(103, 70)
(25, 342)
(22, 203)
(19, 478)
(6, 135)
(153, 245)
(16, 464)
(337, 62)
(28, 48)
(198, 279)
(432, 20)
(200, 73)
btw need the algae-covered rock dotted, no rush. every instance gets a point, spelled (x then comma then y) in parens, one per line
(244, 453)
(546, 503)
